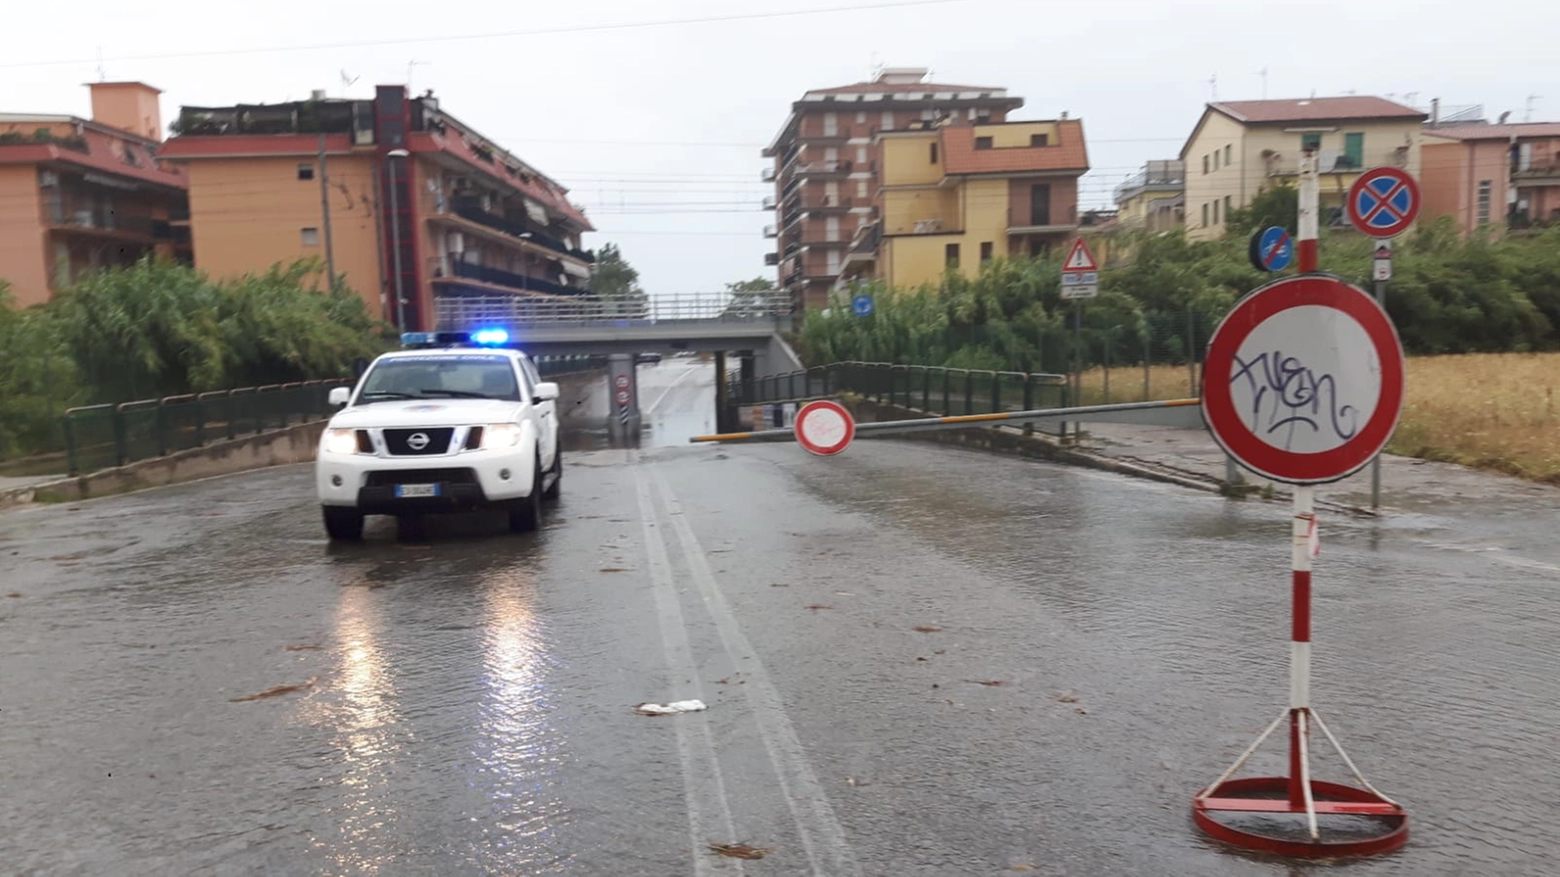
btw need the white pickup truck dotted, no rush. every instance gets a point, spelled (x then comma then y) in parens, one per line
(443, 427)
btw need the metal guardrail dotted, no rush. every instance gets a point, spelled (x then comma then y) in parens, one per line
(930, 389)
(469, 312)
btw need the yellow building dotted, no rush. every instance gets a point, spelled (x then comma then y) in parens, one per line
(1238, 148)
(1153, 198)
(959, 195)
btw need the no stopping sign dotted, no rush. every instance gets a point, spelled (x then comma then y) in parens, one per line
(1303, 381)
(824, 428)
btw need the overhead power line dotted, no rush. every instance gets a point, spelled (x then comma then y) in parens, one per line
(532, 32)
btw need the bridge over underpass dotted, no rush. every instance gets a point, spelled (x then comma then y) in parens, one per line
(749, 326)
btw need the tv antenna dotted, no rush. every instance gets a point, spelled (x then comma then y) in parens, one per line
(1264, 74)
(409, 65)
(1213, 87)
(346, 81)
(102, 75)
(875, 66)
(1531, 100)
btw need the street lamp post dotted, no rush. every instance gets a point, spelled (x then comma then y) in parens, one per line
(395, 239)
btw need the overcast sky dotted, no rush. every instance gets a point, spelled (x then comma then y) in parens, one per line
(653, 114)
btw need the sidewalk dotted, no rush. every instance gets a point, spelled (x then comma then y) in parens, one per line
(1407, 484)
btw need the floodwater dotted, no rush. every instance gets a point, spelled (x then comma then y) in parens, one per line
(676, 399)
(917, 660)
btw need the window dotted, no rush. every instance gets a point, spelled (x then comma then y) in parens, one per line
(1216, 159)
(951, 255)
(1040, 205)
(1205, 164)
(311, 237)
(1037, 247)
(305, 170)
(1229, 154)
(888, 120)
(1039, 140)
(934, 153)
(861, 155)
(1484, 202)
(981, 143)
(1215, 212)
(1205, 214)
(1354, 149)
(1310, 141)
(985, 251)
(861, 117)
(831, 124)
(1226, 208)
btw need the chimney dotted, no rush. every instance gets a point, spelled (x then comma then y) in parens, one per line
(1064, 115)
(1435, 111)
(317, 94)
(134, 107)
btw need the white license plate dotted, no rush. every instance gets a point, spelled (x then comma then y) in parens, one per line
(411, 490)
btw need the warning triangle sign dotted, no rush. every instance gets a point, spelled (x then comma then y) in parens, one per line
(1080, 259)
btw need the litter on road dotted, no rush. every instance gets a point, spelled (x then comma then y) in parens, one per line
(668, 709)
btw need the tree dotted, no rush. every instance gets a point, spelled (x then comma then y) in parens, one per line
(614, 279)
(749, 298)
(1275, 205)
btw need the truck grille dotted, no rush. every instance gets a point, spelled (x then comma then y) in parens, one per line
(418, 442)
(421, 476)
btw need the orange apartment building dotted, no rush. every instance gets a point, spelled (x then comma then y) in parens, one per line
(826, 163)
(79, 195)
(417, 202)
(1493, 175)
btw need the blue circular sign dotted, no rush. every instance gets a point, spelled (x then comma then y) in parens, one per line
(861, 305)
(1272, 249)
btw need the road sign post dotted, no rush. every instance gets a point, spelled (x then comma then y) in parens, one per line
(1302, 384)
(1381, 270)
(1080, 281)
(824, 428)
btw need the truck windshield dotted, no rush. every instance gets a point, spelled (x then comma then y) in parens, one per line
(413, 377)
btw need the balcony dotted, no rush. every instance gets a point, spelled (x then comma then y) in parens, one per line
(109, 223)
(823, 169)
(1156, 176)
(771, 258)
(767, 175)
(508, 279)
(768, 203)
(829, 204)
(1028, 222)
(824, 137)
(826, 244)
(771, 232)
(1537, 175)
(470, 209)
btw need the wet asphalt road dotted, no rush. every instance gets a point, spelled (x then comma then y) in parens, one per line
(467, 699)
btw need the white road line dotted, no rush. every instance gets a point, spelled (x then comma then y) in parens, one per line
(822, 836)
(704, 788)
(675, 381)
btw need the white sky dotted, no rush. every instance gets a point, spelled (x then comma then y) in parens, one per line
(637, 120)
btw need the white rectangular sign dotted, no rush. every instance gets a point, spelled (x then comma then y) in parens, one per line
(1383, 269)
(1080, 291)
(1080, 278)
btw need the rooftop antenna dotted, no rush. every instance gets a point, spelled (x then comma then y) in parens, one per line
(1213, 87)
(1531, 100)
(346, 82)
(874, 66)
(1263, 73)
(102, 75)
(409, 65)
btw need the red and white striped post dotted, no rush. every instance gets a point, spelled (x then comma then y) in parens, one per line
(1310, 198)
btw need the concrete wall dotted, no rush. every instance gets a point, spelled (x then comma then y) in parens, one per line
(22, 259)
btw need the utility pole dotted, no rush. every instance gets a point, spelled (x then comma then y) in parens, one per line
(330, 253)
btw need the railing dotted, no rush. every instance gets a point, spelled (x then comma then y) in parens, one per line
(1144, 179)
(104, 436)
(930, 389)
(457, 313)
(819, 168)
(468, 209)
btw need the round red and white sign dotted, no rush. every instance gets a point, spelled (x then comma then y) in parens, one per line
(824, 428)
(1303, 380)
(622, 382)
(622, 397)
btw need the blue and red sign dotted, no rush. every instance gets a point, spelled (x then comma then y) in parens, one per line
(1272, 249)
(1383, 202)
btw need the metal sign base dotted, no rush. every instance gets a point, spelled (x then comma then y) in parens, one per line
(1298, 794)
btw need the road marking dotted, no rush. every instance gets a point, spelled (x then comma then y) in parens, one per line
(704, 787)
(659, 399)
(822, 836)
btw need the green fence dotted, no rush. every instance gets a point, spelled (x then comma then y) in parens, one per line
(930, 389)
(104, 436)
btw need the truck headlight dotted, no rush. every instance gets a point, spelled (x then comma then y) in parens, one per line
(500, 435)
(341, 441)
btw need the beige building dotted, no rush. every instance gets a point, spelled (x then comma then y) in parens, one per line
(1154, 198)
(1238, 148)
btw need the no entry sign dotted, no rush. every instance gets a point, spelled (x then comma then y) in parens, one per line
(824, 428)
(1303, 381)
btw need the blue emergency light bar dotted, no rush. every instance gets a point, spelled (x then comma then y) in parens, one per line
(482, 338)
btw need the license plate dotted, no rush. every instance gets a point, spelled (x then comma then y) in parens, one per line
(411, 490)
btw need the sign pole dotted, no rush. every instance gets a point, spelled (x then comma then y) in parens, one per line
(1300, 653)
(1078, 351)
(1375, 465)
(1310, 198)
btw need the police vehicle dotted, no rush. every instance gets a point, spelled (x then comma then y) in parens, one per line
(452, 421)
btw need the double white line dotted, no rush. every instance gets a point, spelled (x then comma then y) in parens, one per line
(709, 812)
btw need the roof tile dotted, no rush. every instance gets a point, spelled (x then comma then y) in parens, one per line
(1315, 109)
(1068, 154)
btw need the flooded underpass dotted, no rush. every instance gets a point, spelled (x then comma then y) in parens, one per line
(916, 660)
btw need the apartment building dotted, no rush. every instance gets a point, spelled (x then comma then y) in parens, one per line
(79, 195)
(410, 204)
(1240, 147)
(825, 164)
(1492, 176)
(1154, 198)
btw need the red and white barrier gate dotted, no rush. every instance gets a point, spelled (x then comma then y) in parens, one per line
(1303, 384)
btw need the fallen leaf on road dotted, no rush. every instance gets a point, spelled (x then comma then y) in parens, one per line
(927, 628)
(615, 569)
(302, 648)
(1022, 868)
(940, 652)
(274, 692)
(14, 594)
(739, 851)
(1069, 697)
(987, 682)
(1080, 711)
(779, 585)
(819, 606)
(922, 659)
